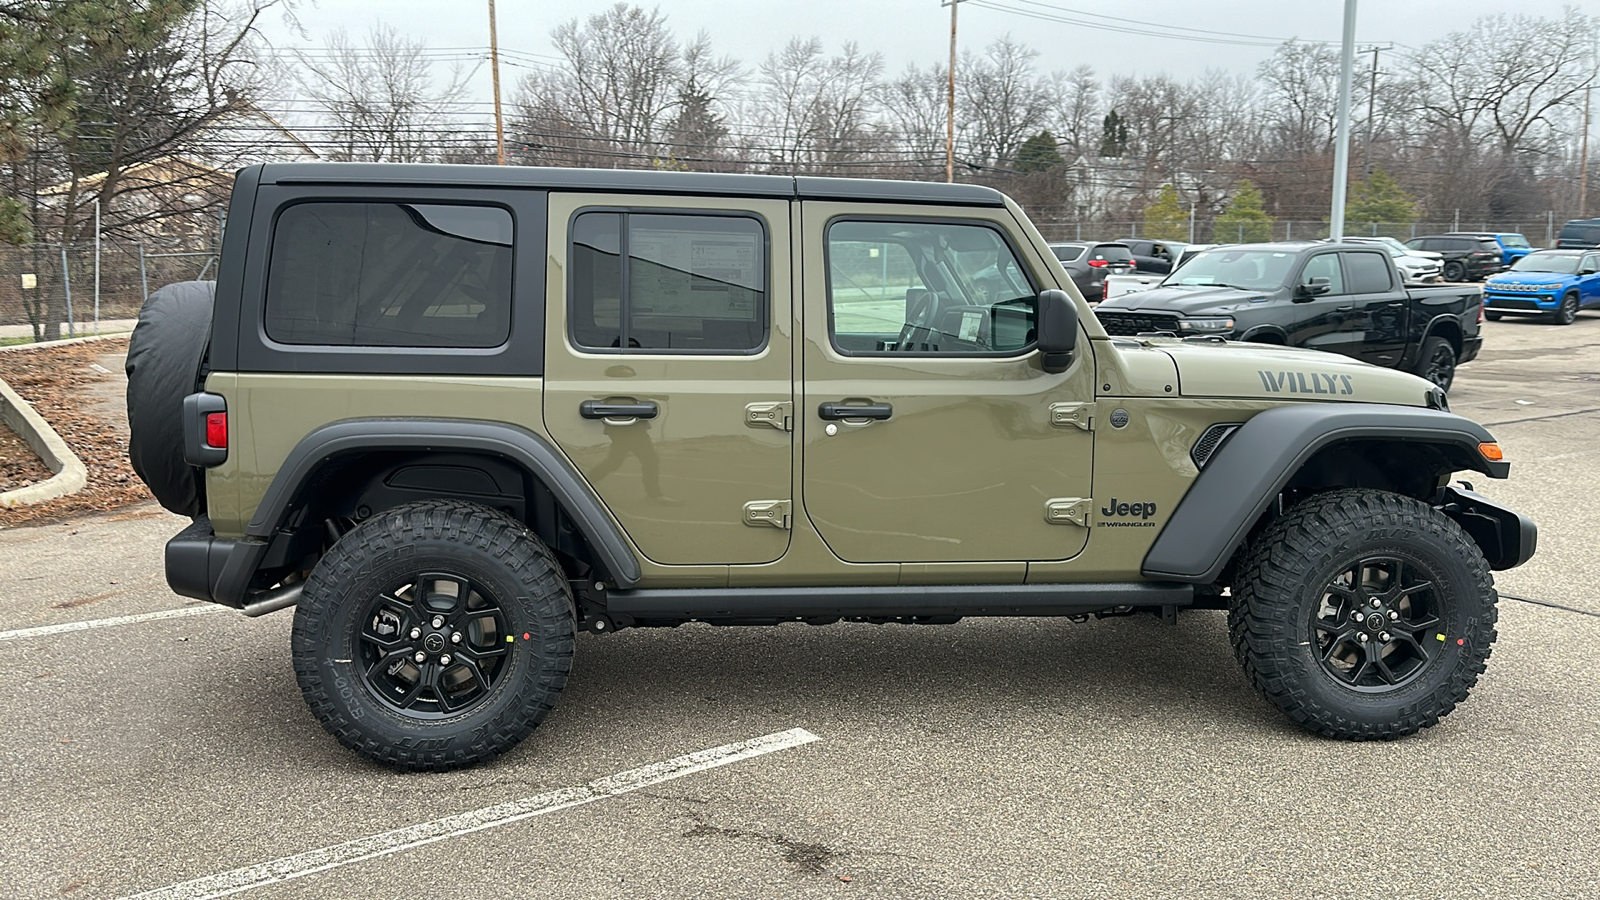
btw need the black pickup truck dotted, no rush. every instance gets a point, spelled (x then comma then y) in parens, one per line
(1342, 298)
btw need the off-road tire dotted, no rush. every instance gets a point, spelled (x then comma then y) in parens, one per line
(1493, 316)
(1455, 271)
(495, 559)
(1437, 362)
(1567, 312)
(1278, 605)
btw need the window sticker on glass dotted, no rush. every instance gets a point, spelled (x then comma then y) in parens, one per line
(678, 272)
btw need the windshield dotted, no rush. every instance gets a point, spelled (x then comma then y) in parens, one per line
(1251, 270)
(1395, 245)
(1537, 262)
(1514, 240)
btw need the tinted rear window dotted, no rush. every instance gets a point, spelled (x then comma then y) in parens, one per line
(1068, 254)
(1112, 253)
(390, 275)
(1368, 272)
(1588, 234)
(1489, 244)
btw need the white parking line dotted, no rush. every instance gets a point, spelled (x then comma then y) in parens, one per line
(299, 865)
(44, 630)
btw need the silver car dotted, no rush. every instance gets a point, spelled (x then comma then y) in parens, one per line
(1416, 267)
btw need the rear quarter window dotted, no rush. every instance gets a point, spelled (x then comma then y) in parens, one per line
(390, 275)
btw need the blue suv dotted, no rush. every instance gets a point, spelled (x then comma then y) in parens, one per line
(1551, 283)
(1512, 246)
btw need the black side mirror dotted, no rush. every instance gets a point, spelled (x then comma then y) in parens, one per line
(1316, 287)
(1057, 325)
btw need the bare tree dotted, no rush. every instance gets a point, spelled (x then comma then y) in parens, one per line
(378, 103)
(1001, 102)
(915, 107)
(1077, 109)
(816, 111)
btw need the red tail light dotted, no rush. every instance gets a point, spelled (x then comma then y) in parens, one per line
(1098, 263)
(217, 430)
(1133, 264)
(1105, 291)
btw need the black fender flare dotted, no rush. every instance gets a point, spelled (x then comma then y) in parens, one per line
(1244, 476)
(533, 453)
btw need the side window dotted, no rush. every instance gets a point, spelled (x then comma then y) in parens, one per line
(926, 287)
(1325, 266)
(1369, 273)
(668, 282)
(390, 275)
(1590, 263)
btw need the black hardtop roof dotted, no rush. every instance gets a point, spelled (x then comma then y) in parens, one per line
(632, 181)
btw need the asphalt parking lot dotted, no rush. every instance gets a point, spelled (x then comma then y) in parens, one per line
(991, 758)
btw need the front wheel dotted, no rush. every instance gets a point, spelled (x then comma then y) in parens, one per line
(1567, 312)
(1455, 271)
(1363, 614)
(433, 635)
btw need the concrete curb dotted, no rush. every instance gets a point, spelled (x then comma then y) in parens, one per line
(70, 475)
(11, 348)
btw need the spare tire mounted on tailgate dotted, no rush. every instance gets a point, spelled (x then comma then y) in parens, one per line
(164, 357)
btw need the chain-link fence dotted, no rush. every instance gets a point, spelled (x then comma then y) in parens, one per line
(49, 291)
(1540, 233)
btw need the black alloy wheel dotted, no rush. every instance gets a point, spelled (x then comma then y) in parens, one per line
(1455, 270)
(1437, 362)
(433, 646)
(1376, 625)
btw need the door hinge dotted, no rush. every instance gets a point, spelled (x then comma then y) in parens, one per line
(1079, 414)
(774, 513)
(779, 415)
(1067, 511)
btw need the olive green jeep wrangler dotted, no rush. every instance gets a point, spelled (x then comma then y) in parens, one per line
(455, 415)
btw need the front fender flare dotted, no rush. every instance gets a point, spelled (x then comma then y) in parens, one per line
(1245, 475)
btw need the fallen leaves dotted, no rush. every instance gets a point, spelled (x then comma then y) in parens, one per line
(63, 388)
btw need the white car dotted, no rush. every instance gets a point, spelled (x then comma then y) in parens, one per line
(1416, 266)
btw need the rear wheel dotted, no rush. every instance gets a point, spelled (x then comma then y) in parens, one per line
(1363, 614)
(1567, 312)
(1437, 362)
(1455, 270)
(434, 635)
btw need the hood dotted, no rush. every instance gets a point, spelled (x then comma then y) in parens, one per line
(1192, 300)
(1528, 278)
(1236, 370)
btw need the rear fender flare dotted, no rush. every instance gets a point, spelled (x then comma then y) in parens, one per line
(530, 451)
(1246, 474)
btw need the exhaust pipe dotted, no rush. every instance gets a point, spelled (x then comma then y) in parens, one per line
(274, 600)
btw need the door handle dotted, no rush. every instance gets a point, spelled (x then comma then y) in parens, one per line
(1344, 309)
(853, 411)
(596, 409)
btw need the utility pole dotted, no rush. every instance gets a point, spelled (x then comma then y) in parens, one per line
(1372, 96)
(494, 67)
(950, 108)
(1341, 149)
(1583, 162)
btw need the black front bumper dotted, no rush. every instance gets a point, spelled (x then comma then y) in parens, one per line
(205, 567)
(1507, 539)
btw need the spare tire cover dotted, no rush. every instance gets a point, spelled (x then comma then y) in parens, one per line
(164, 367)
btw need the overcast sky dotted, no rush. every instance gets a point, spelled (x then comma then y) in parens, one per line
(907, 31)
